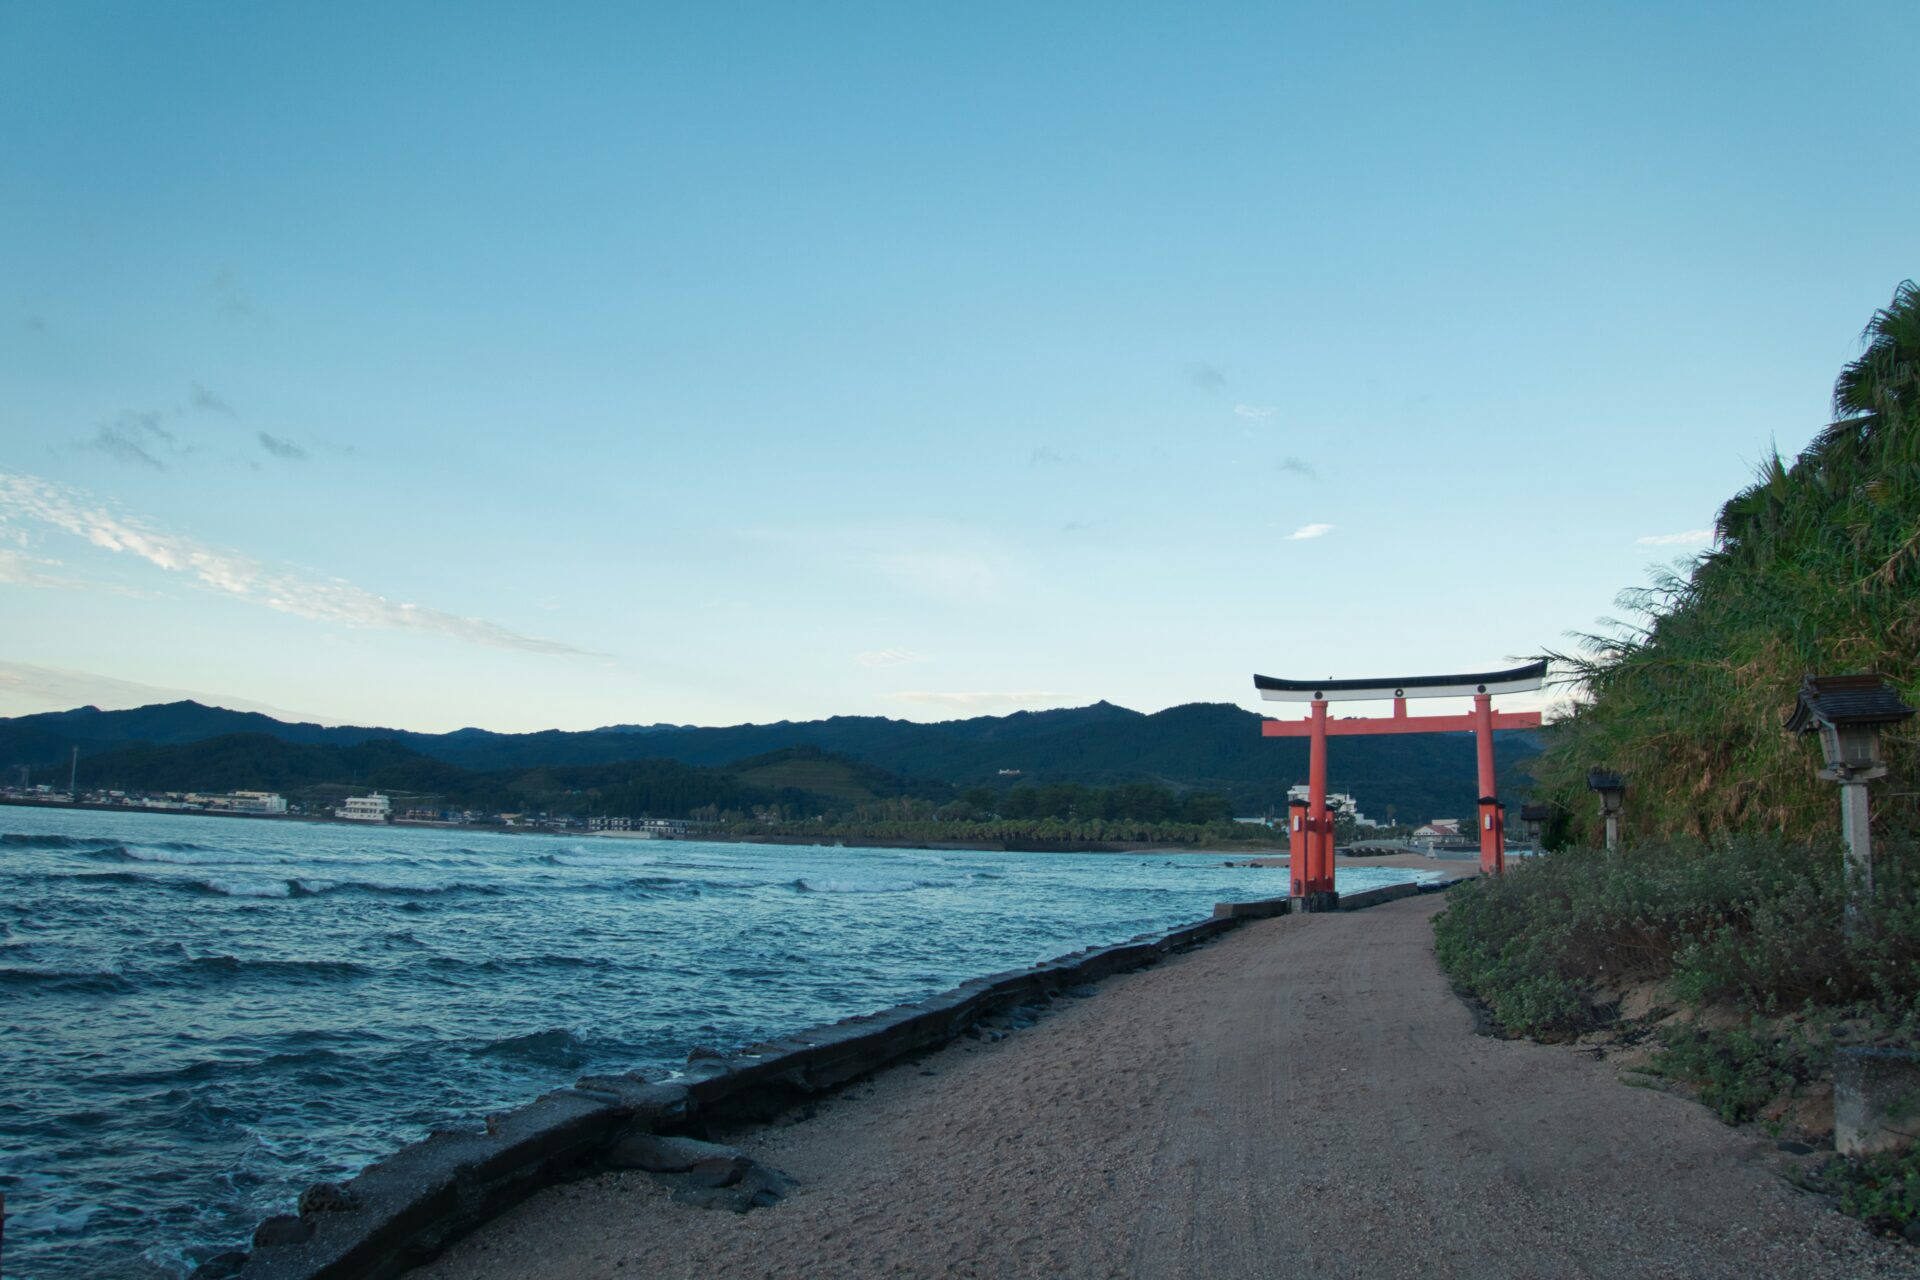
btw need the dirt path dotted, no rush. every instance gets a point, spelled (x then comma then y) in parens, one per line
(1303, 1098)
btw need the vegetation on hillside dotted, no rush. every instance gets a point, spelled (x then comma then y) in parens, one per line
(1211, 747)
(1725, 908)
(800, 791)
(1816, 568)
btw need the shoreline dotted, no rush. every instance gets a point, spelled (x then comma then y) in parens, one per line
(804, 842)
(403, 1210)
(1304, 1096)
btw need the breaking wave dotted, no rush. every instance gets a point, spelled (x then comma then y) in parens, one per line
(808, 884)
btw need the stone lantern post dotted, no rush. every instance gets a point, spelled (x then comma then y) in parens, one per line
(1535, 816)
(1612, 789)
(1848, 713)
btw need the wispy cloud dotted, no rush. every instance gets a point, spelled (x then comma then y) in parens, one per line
(282, 589)
(1296, 466)
(889, 658)
(1307, 531)
(1012, 700)
(952, 565)
(279, 448)
(1075, 526)
(28, 686)
(207, 402)
(948, 575)
(1209, 377)
(1686, 538)
(19, 569)
(1048, 457)
(135, 438)
(232, 301)
(1255, 411)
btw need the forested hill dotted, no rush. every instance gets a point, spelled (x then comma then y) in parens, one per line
(1208, 746)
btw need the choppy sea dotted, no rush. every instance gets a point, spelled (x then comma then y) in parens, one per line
(201, 1016)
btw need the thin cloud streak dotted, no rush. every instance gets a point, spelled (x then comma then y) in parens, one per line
(136, 439)
(283, 590)
(985, 701)
(1255, 411)
(1687, 538)
(1209, 377)
(889, 658)
(279, 448)
(207, 402)
(1306, 531)
(62, 689)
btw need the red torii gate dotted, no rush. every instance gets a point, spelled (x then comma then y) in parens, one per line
(1310, 827)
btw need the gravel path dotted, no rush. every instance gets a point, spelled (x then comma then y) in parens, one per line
(1304, 1098)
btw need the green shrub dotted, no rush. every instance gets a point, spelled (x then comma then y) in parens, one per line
(1882, 1189)
(1740, 1070)
(1749, 923)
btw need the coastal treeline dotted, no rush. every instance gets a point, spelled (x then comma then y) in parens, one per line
(1716, 933)
(800, 791)
(1212, 747)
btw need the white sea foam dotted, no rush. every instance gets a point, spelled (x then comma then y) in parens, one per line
(180, 857)
(237, 887)
(808, 884)
(51, 1221)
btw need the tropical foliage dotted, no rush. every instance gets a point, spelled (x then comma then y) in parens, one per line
(1815, 567)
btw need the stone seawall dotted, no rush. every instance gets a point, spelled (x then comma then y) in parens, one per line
(401, 1211)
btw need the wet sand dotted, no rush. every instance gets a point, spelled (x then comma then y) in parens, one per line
(1305, 1097)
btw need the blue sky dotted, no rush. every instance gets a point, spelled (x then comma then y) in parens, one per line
(529, 367)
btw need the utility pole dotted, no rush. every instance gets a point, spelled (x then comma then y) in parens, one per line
(73, 778)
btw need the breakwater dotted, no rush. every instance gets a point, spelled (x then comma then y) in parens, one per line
(208, 1015)
(403, 1210)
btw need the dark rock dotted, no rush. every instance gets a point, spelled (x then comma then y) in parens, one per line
(767, 1186)
(282, 1228)
(656, 1154)
(1794, 1148)
(1912, 1231)
(221, 1266)
(701, 1052)
(718, 1171)
(327, 1197)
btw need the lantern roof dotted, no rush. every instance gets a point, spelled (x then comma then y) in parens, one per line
(1846, 700)
(1535, 813)
(1604, 780)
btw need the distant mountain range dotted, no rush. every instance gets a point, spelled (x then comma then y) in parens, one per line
(1209, 746)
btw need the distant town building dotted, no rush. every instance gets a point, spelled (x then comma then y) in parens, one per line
(261, 802)
(1338, 800)
(373, 808)
(609, 824)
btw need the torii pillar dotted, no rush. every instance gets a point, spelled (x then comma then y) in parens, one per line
(1310, 835)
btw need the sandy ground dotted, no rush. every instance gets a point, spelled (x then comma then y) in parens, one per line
(1305, 1097)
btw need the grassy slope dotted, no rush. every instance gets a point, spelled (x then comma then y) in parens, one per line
(1728, 901)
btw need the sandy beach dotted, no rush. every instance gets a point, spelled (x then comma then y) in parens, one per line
(1305, 1097)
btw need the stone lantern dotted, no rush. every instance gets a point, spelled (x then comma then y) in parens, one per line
(1535, 816)
(1612, 789)
(1848, 713)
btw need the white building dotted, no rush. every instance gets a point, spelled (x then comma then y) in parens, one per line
(1337, 800)
(264, 802)
(373, 808)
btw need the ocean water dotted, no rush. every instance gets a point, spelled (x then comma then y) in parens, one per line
(201, 1016)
